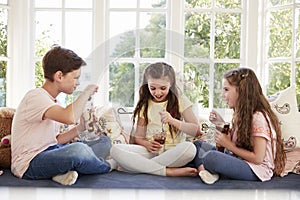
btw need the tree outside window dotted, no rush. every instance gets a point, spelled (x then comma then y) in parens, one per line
(3, 55)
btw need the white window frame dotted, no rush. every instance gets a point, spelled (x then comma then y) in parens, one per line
(21, 62)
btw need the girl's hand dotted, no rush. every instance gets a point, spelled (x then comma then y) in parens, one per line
(153, 146)
(222, 139)
(216, 118)
(166, 117)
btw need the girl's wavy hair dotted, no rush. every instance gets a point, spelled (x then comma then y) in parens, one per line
(157, 71)
(250, 100)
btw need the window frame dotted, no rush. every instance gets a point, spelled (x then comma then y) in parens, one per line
(20, 73)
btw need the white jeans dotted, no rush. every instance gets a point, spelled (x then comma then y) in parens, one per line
(137, 159)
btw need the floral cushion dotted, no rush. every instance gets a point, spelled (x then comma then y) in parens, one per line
(284, 104)
(105, 120)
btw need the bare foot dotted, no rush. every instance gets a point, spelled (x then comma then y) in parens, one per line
(200, 168)
(185, 171)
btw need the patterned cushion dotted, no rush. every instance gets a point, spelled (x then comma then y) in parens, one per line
(284, 104)
(106, 121)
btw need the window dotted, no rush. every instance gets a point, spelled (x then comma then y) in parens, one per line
(282, 52)
(213, 39)
(3, 50)
(208, 43)
(67, 23)
(118, 38)
(137, 36)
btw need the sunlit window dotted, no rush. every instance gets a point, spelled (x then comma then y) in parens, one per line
(200, 39)
(67, 23)
(137, 37)
(3, 50)
(213, 37)
(282, 54)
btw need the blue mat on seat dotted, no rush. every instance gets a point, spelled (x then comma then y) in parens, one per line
(122, 180)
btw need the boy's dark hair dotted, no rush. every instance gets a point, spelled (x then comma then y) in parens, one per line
(60, 59)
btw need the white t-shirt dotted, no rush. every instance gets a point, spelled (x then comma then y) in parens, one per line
(30, 133)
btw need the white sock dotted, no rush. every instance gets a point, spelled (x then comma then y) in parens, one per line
(113, 164)
(68, 178)
(208, 177)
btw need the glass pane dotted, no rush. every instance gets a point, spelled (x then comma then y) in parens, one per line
(79, 25)
(279, 77)
(298, 34)
(152, 35)
(79, 3)
(195, 82)
(48, 31)
(39, 74)
(278, 2)
(197, 35)
(3, 32)
(122, 34)
(152, 3)
(121, 22)
(298, 83)
(228, 35)
(3, 2)
(123, 45)
(122, 3)
(48, 3)
(280, 27)
(3, 66)
(198, 4)
(228, 4)
(219, 70)
(121, 84)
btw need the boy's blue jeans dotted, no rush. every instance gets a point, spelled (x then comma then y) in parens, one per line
(224, 164)
(59, 159)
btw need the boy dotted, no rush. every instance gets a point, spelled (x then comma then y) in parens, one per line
(38, 150)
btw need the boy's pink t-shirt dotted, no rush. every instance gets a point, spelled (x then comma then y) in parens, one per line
(260, 128)
(30, 133)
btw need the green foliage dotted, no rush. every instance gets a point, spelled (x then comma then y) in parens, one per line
(280, 74)
(280, 33)
(3, 52)
(121, 76)
(153, 37)
(197, 76)
(197, 44)
(42, 45)
(281, 46)
(197, 35)
(227, 36)
(196, 82)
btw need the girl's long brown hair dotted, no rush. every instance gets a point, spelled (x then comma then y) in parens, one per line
(250, 100)
(157, 71)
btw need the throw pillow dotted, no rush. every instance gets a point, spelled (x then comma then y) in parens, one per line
(284, 104)
(111, 123)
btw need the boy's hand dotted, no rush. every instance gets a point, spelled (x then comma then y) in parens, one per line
(81, 125)
(90, 89)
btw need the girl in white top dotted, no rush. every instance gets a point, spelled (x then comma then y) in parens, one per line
(161, 107)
